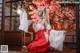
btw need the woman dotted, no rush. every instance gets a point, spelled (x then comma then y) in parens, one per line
(40, 44)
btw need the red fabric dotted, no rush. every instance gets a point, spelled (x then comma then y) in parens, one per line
(39, 44)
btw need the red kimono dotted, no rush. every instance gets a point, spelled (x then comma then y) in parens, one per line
(39, 44)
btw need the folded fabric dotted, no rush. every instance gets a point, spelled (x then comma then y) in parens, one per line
(56, 39)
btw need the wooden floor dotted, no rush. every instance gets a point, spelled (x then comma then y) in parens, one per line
(64, 51)
(16, 49)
